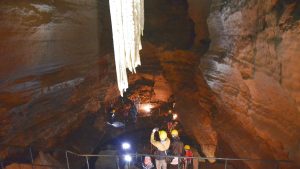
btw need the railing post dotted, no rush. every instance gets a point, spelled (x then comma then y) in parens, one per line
(2, 165)
(68, 166)
(31, 157)
(117, 161)
(225, 164)
(87, 162)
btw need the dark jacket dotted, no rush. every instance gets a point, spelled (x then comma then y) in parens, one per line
(177, 146)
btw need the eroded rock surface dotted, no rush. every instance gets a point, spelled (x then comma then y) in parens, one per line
(251, 66)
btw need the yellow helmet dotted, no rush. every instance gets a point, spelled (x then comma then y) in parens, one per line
(174, 133)
(187, 147)
(162, 135)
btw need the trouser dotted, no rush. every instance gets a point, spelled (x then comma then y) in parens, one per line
(188, 165)
(161, 164)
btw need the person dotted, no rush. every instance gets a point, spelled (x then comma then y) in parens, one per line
(176, 148)
(137, 102)
(147, 163)
(171, 102)
(188, 161)
(162, 147)
(133, 113)
(112, 116)
(169, 119)
(175, 125)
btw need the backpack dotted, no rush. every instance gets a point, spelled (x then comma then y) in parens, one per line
(177, 147)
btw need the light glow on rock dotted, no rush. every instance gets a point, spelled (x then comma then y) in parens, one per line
(175, 116)
(147, 107)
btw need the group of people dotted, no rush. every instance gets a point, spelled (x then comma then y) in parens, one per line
(173, 146)
(127, 116)
(169, 151)
(166, 147)
(170, 119)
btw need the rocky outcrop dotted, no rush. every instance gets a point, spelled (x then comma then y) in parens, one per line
(258, 37)
(198, 11)
(43, 160)
(194, 99)
(251, 67)
(51, 69)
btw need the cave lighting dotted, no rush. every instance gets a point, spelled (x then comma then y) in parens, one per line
(147, 107)
(126, 146)
(175, 116)
(127, 158)
(127, 19)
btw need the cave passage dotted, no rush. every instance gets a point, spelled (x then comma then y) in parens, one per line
(228, 71)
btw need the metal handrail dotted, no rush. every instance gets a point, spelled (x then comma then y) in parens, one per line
(171, 156)
(86, 156)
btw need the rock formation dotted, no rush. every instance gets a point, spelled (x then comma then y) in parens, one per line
(251, 66)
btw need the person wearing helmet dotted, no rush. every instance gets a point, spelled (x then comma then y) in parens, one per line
(188, 153)
(176, 148)
(112, 116)
(162, 147)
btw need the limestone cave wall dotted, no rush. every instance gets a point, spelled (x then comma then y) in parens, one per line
(51, 69)
(253, 68)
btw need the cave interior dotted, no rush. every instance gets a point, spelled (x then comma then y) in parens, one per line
(228, 69)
